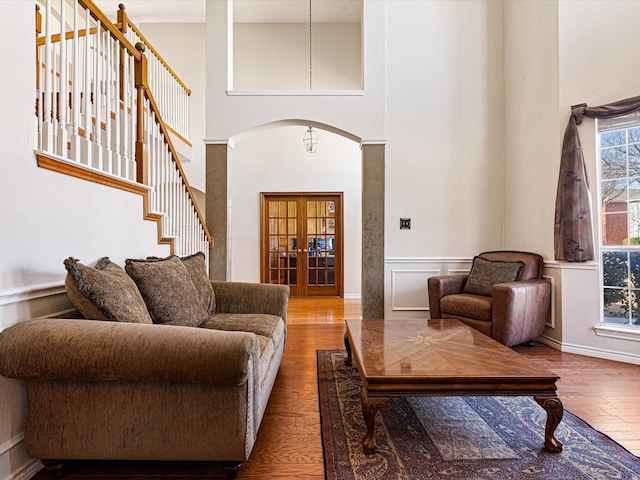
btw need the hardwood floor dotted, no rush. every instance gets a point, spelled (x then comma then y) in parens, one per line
(602, 392)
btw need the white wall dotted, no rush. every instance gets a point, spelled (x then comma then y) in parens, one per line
(276, 161)
(444, 143)
(45, 217)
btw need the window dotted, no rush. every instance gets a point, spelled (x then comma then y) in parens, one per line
(619, 144)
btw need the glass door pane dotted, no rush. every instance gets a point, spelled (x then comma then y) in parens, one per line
(282, 237)
(321, 267)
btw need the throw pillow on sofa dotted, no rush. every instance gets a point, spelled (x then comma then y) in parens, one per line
(104, 292)
(197, 269)
(168, 291)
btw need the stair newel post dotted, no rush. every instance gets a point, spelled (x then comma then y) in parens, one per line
(141, 154)
(38, 21)
(122, 26)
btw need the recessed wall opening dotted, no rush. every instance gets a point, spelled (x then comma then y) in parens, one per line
(298, 45)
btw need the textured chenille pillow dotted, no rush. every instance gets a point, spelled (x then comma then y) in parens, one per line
(104, 292)
(487, 273)
(197, 269)
(168, 291)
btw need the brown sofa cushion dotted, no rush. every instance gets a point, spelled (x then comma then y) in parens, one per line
(104, 292)
(487, 273)
(197, 269)
(168, 291)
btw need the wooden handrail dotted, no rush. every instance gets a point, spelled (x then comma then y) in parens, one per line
(124, 23)
(55, 38)
(174, 154)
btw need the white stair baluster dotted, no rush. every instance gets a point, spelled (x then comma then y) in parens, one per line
(108, 101)
(97, 99)
(47, 128)
(75, 89)
(86, 153)
(64, 87)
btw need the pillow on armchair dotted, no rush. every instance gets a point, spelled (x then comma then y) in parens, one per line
(487, 273)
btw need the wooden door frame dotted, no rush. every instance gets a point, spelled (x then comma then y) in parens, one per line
(338, 246)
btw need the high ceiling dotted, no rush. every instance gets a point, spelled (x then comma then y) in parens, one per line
(245, 11)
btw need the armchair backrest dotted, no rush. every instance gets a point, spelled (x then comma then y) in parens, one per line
(532, 262)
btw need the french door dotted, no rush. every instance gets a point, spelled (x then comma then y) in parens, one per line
(301, 242)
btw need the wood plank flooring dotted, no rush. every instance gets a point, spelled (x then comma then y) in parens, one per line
(602, 392)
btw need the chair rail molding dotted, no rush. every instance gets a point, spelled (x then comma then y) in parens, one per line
(33, 301)
(30, 292)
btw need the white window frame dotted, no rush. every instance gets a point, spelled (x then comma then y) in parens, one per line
(612, 329)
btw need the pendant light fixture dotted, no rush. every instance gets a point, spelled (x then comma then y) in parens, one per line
(310, 139)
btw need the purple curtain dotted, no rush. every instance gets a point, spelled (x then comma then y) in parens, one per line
(573, 231)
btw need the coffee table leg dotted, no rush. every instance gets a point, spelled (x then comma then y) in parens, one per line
(370, 407)
(347, 346)
(554, 409)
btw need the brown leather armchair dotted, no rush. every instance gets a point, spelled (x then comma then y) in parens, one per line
(512, 312)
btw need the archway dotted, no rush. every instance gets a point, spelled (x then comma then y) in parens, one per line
(218, 177)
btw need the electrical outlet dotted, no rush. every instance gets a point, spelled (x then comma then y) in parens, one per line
(405, 224)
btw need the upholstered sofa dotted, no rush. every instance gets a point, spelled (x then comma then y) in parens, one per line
(161, 385)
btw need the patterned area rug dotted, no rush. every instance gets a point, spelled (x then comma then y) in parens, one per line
(456, 437)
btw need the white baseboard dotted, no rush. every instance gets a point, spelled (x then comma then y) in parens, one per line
(602, 353)
(591, 351)
(27, 470)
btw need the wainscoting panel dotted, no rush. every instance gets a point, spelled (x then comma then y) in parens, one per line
(552, 314)
(406, 283)
(17, 305)
(409, 289)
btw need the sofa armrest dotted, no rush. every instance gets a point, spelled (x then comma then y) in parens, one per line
(440, 286)
(240, 297)
(520, 310)
(93, 350)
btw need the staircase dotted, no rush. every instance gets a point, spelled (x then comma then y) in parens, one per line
(98, 118)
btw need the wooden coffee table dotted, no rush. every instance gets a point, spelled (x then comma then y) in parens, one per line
(414, 358)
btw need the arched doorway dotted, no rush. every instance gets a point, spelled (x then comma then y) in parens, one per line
(219, 158)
